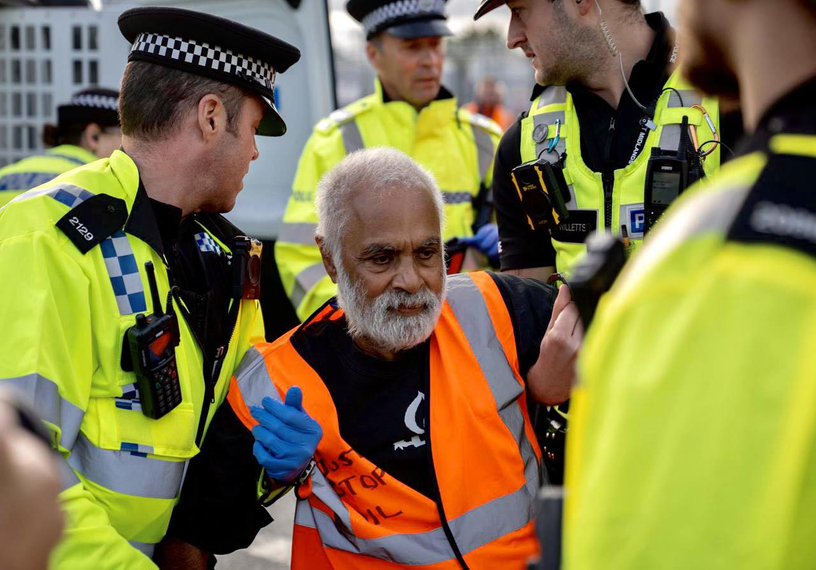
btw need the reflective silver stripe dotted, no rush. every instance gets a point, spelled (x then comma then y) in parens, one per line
(304, 515)
(670, 135)
(690, 97)
(494, 519)
(549, 120)
(472, 529)
(305, 280)
(454, 197)
(484, 150)
(352, 137)
(51, 407)
(471, 312)
(335, 532)
(551, 96)
(299, 233)
(143, 547)
(67, 476)
(127, 474)
(253, 379)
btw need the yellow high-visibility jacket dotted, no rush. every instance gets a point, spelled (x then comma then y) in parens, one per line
(455, 145)
(594, 205)
(36, 170)
(693, 438)
(65, 314)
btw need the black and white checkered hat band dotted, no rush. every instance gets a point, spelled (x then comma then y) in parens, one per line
(401, 9)
(207, 56)
(95, 101)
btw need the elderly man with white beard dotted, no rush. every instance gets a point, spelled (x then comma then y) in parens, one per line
(398, 410)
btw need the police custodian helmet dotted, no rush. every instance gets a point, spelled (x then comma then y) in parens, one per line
(214, 47)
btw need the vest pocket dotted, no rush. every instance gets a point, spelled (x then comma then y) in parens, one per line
(123, 429)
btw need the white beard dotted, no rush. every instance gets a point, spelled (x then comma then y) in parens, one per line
(379, 322)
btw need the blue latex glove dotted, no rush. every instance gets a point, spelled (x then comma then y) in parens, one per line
(285, 437)
(486, 241)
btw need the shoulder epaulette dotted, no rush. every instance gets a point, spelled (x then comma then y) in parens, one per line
(342, 116)
(92, 218)
(780, 209)
(480, 122)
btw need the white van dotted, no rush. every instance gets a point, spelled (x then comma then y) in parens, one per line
(47, 53)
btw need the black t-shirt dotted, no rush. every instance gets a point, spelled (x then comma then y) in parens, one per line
(382, 414)
(608, 138)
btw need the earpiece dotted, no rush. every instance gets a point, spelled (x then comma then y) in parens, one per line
(607, 35)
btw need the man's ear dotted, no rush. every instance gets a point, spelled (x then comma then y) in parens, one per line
(212, 117)
(372, 54)
(328, 261)
(90, 137)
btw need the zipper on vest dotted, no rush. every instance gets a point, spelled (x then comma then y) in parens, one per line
(437, 498)
(607, 176)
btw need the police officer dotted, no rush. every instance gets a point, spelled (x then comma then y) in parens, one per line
(87, 129)
(409, 110)
(196, 91)
(608, 92)
(693, 442)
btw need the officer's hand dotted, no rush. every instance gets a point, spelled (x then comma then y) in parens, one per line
(486, 241)
(552, 376)
(285, 437)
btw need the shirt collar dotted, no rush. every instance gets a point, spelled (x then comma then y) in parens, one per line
(142, 222)
(792, 114)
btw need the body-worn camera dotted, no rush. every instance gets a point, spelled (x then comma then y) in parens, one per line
(246, 268)
(543, 192)
(151, 346)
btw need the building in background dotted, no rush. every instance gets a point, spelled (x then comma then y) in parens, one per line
(49, 52)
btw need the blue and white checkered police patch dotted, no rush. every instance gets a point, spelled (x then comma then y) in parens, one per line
(206, 243)
(64, 194)
(119, 259)
(124, 274)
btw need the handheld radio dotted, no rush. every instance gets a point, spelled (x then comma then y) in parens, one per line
(152, 343)
(668, 174)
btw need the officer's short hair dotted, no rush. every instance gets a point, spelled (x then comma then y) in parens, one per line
(373, 170)
(154, 99)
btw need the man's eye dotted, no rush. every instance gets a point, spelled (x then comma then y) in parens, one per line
(427, 254)
(381, 259)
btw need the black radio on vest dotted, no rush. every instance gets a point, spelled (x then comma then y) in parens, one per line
(152, 343)
(668, 175)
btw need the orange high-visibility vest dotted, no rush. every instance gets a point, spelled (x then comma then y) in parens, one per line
(484, 451)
